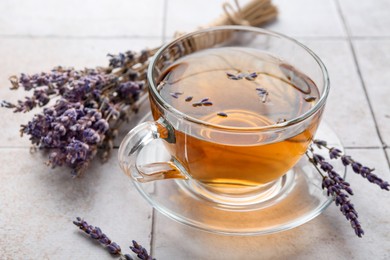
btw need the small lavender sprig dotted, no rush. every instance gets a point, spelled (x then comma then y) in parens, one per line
(339, 189)
(97, 234)
(112, 247)
(341, 200)
(357, 167)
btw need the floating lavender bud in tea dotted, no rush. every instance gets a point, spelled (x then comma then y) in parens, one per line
(207, 103)
(188, 99)
(251, 76)
(310, 98)
(222, 114)
(176, 94)
(231, 76)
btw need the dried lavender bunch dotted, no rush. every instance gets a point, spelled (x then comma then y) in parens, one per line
(83, 109)
(338, 188)
(357, 167)
(112, 247)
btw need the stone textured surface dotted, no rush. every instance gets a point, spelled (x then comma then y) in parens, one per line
(37, 204)
(367, 18)
(374, 61)
(72, 18)
(308, 18)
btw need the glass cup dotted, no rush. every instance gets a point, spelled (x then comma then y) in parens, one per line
(233, 167)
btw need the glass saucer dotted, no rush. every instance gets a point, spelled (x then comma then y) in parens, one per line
(300, 200)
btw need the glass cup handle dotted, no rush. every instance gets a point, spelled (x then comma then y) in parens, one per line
(135, 141)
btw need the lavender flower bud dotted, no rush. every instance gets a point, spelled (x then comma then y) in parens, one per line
(101, 126)
(114, 248)
(128, 257)
(346, 160)
(140, 251)
(365, 171)
(91, 136)
(318, 158)
(71, 114)
(76, 151)
(334, 153)
(320, 143)
(326, 166)
(356, 167)
(49, 111)
(130, 89)
(104, 240)
(59, 129)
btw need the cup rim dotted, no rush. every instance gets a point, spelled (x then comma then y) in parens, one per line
(153, 86)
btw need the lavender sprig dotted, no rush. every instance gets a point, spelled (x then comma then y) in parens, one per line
(112, 247)
(83, 109)
(339, 189)
(357, 167)
(97, 234)
(341, 200)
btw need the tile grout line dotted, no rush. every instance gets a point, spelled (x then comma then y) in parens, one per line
(152, 232)
(360, 75)
(164, 36)
(363, 147)
(74, 37)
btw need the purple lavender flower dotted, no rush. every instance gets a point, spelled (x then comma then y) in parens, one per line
(72, 130)
(338, 188)
(320, 143)
(112, 247)
(251, 76)
(248, 76)
(232, 76)
(140, 251)
(357, 167)
(121, 59)
(341, 199)
(333, 175)
(130, 90)
(97, 234)
(334, 153)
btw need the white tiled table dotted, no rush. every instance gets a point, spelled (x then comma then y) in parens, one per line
(37, 204)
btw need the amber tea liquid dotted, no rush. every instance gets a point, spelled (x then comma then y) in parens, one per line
(238, 88)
